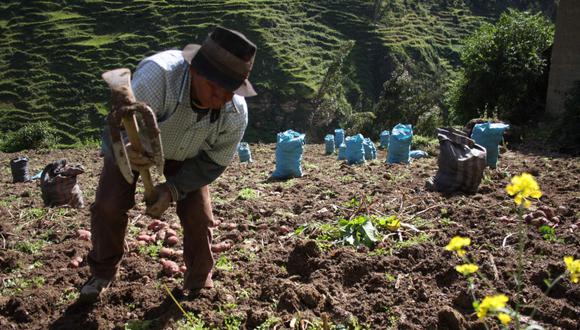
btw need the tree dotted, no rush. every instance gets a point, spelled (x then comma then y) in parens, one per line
(503, 64)
(406, 99)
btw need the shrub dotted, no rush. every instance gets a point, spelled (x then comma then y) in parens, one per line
(30, 136)
(503, 68)
(428, 144)
(428, 122)
(409, 99)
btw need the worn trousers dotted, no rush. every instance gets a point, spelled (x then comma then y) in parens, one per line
(115, 196)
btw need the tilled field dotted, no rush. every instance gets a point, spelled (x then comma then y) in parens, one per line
(280, 267)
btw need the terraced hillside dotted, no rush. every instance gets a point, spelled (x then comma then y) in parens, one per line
(52, 52)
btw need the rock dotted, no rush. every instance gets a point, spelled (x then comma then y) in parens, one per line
(450, 318)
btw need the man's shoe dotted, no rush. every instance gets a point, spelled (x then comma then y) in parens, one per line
(93, 288)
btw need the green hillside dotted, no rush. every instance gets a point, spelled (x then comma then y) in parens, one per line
(53, 52)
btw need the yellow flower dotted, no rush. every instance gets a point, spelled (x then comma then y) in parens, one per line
(523, 187)
(467, 269)
(490, 304)
(393, 224)
(573, 266)
(504, 318)
(457, 244)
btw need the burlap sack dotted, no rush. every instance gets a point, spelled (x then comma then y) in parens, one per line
(58, 184)
(461, 163)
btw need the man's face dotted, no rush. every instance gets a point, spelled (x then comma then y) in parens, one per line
(210, 94)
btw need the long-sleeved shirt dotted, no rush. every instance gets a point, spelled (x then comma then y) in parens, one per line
(206, 147)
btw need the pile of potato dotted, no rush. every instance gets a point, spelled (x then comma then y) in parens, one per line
(543, 216)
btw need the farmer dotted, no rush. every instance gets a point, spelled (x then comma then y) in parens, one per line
(197, 95)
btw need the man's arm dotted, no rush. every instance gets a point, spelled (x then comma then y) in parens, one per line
(195, 173)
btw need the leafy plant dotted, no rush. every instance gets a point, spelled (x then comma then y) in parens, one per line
(247, 194)
(224, 263)
(359, 230)
(31, 136)
(548, 233)
(30, 246)
(138, 325)
(503, 69)
(151, 250)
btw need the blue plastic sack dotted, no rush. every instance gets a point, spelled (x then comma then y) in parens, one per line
(355, 151)
(342, 152)
(418, 154)
(289, 148)
(384, 139)
(338, 137)
(370, 149)
(489, 135)
(244, 152)
(400, 144)
(329, 144)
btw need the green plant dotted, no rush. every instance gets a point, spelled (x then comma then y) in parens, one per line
(30, 246)
(425, 143)
(269, 323)
(223, 263)
(138, 325)
(359, 230)
(18, 282)
(152, 249)
(247, 194)
(68, 296)
(548, 233)
(31, 136)
(503, 67)
(190, 321)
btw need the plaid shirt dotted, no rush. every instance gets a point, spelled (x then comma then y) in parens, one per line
(163, 82)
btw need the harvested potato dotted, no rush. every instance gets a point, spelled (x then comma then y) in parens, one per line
(83, 234)
(171, 240)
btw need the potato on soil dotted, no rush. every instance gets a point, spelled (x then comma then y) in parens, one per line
(171, 240)
(221, 247)
(169, 267)
(83, 234)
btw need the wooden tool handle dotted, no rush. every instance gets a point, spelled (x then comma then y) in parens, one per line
(130, 123)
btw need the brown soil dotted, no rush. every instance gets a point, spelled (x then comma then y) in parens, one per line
(277, 279)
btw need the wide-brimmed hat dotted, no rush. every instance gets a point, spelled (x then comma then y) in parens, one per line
(226, 58)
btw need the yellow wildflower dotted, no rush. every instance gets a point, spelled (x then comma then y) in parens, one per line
(523, 187)
(457, 244)
(573, 266)
(491, 304)
(393, 224)
(504, 318)
(467, 269)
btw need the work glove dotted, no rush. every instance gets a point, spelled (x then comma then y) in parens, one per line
(139, 161)
(156, 208)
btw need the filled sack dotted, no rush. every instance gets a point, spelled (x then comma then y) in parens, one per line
(489, 136)
(370, 149)
(338, 137)
(19, 169)
(384, 139)
(329, 144)
(289, 149)
(400, 144)
(461, 162)
(59, 186)
(355, 151)
(342, 152)
(244, 152)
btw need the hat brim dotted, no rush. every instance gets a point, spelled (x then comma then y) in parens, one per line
(245, 89)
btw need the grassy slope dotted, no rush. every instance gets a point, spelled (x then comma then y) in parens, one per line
(52, 52)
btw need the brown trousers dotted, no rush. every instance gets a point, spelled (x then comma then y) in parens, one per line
(114, 197)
